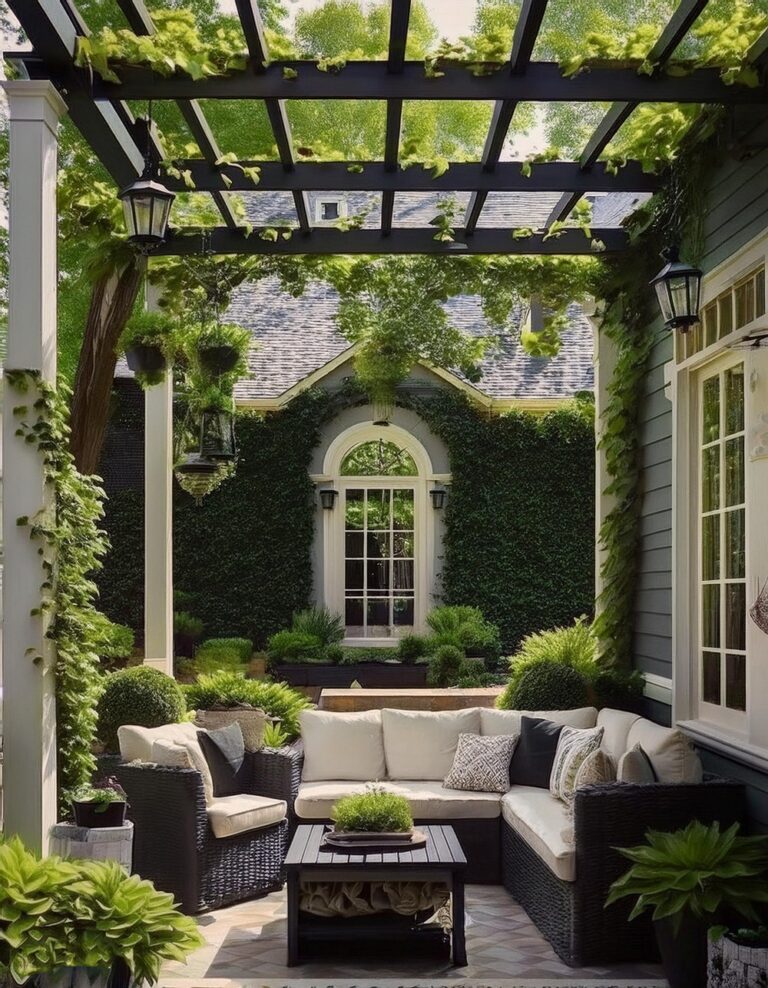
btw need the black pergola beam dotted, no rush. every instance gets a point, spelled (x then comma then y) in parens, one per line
(543, 82)
(526, 31)
(674, 31)
(255, 37)
(400, 14)
(550, 176)
(402, 240)
(758, 53)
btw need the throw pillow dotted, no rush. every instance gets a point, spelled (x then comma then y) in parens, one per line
(224, 751)
(481, 764)
(531, 763)
(573, 747)
(170, 754)
(635, 766)
(597, 769)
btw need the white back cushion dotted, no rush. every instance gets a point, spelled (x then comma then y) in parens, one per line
(508, 721)
(669, 751)
(342, 746)
(616, 725)
(421, 744)
(136, 742)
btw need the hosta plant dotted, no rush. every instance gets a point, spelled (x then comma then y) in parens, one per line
(698, 870)
(373, 811)
(57, 914)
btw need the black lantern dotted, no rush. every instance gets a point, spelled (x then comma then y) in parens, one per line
(438, 497)
(194, 463)
(677, 289)
(217, 435)
(147, 204)
(328, 498)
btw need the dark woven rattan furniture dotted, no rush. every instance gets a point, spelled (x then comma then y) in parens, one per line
(572, 915)
(175, 848)
(442, 860)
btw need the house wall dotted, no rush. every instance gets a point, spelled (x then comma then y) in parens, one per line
(737, 212)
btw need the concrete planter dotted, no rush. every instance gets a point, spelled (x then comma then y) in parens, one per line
(371, 675)
(736, 965)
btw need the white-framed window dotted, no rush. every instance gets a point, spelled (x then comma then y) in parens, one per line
(379, 539)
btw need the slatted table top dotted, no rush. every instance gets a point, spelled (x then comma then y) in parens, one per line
(442, 851)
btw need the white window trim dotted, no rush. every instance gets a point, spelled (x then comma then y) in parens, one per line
(424, 522)
(751, 744)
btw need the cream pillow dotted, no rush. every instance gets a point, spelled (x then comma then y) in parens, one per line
(635, 766)
(342, 747)
(669, 751)
(573, 748)
(420, 744)
(171, 754)
(597, 769)
(494, 721)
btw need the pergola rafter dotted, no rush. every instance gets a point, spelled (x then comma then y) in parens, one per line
(398, 36)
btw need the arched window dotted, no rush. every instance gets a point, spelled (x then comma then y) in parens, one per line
(378, 541)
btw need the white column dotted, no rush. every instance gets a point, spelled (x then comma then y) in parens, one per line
(29, 709)
(158, 523)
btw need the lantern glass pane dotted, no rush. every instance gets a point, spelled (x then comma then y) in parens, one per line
(678, 290)
(142, 212)
(665, 303)
(162, 208)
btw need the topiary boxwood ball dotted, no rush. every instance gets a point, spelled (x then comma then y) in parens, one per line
(139, 695)
(546, 686)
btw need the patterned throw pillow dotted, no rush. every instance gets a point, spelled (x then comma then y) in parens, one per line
(573, 748)
(481, 764)
(597, 769)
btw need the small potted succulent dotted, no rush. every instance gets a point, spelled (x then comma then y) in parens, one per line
(221, 348)
(693, 879)
(145, 341)
(102, 804)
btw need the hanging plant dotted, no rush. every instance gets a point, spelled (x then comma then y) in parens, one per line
(222, 348)
(147, 342)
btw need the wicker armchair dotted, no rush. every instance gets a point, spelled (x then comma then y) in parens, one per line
(572, 915)
(175, 848)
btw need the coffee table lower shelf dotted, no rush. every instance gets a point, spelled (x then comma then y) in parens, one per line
(442, 860)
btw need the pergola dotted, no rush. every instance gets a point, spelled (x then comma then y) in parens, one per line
(52, 84)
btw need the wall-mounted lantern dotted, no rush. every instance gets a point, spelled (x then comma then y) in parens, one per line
(438, 494)
(678, 287)
(328, 498)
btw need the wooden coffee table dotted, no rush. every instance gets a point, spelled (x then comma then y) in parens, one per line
(442, 860)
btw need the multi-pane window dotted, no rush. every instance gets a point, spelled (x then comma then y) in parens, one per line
(722, 540)
(734, 308)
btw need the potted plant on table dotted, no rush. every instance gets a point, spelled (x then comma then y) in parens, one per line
(72, 924)
(102, 804)
(693, 879)
(375, 811)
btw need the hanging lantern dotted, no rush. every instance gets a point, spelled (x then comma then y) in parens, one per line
(678, 287)
(198, 475)
(217, 435)
(147, 203)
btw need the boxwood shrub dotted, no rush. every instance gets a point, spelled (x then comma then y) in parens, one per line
(138, 695)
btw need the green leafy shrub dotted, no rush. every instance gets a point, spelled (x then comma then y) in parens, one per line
(697, 870)
(112, 642)
(228, 689)
(139, 695)
(617, 688)
(293, 646)
(465, 628)
(410, 648)
(56, 914)
(546, 686)
(446, 666)
(274, 736)
(352, 655)
(214, 655)
(187, 632)
(321, 623)
(243, 646)
(575, 646)
(375, 811)
(334, 654)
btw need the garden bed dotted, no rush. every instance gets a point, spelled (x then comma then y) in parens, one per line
(372, 675)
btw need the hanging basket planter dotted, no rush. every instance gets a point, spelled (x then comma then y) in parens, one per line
(145, 358)
(199, 476)
(218, 359)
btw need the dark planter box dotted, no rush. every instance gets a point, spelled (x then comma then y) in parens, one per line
(86, 815)
(371, 675)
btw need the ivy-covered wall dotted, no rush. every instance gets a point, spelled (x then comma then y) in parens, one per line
(519, 537)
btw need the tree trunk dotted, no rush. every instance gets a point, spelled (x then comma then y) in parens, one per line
(112, 300)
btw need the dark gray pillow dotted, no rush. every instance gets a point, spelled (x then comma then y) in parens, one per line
(534, 755)
(224, 750)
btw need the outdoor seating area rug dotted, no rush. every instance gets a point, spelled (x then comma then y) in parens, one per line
(246, 948)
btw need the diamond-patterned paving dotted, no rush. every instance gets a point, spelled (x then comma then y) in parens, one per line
(247, 943)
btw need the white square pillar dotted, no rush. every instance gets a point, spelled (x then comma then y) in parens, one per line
(29, 707)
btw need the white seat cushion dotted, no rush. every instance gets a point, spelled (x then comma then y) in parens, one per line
(544, 823)
(420, 744)
(428, 800)
(136, 742)
(497, 722)
(230, 815)
(668, 750)
(616, 726)
(342, 746)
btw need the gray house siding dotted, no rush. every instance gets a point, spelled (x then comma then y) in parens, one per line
(737, 202)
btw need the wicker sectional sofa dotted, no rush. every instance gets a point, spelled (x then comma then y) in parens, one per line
(557, 864)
